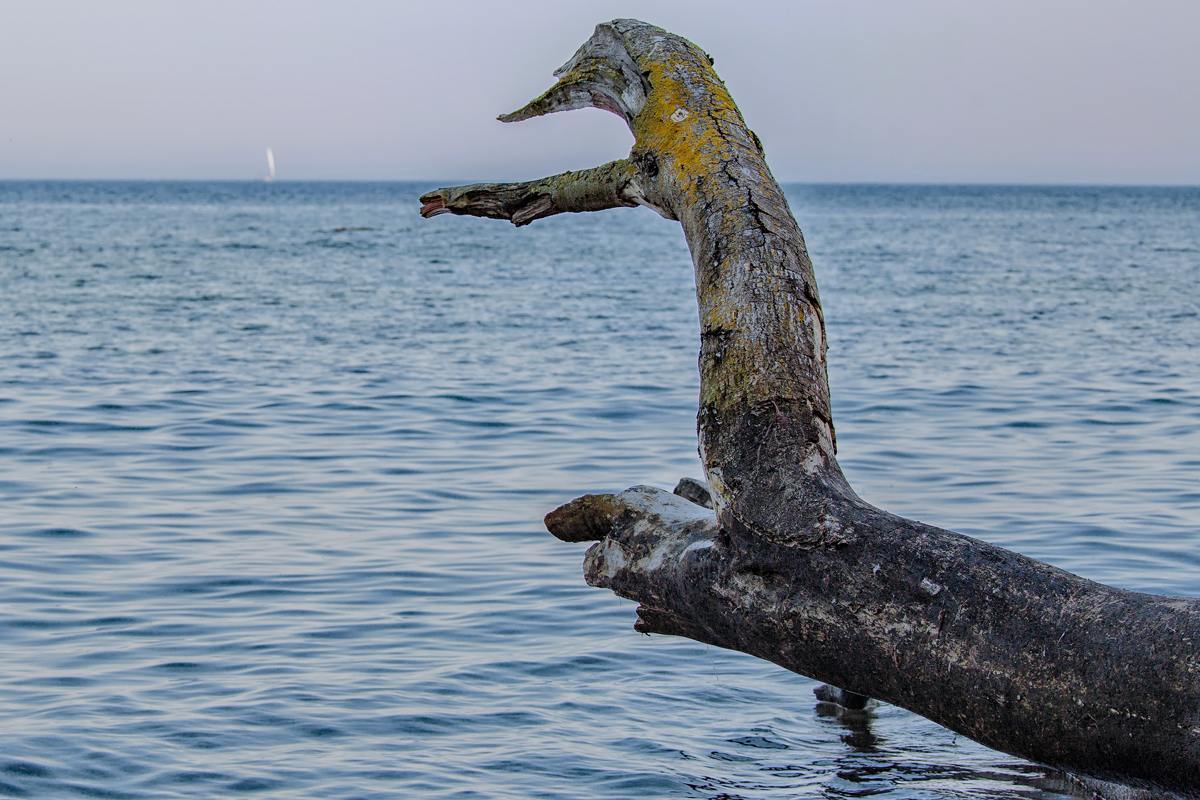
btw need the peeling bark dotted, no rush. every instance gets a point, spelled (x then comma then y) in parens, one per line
(790, 564)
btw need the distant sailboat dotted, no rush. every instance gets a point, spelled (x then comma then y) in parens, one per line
(270, 166)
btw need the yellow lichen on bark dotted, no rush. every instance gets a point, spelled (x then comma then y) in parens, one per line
(679, 120)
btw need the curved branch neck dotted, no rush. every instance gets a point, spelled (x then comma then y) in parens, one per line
(760, 315)
(762, 332)
(764, 394)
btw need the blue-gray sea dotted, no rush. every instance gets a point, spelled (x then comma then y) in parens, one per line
(274, 459)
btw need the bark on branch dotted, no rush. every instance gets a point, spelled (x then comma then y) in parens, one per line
(609, 186)
(790, 564)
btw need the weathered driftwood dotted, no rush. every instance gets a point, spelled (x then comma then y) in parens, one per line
(792, 566)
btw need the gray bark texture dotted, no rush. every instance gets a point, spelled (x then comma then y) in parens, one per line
(789, 564)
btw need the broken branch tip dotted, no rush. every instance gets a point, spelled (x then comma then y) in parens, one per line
(584, 519)
(433, 204)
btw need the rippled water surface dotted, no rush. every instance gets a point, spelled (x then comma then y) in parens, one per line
(275, 456)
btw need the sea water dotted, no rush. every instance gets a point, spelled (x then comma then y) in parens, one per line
(275, 457)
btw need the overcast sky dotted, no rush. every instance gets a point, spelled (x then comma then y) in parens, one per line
(1028, 91)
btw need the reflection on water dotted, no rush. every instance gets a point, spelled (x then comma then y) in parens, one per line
(855, 720)
(275, 458)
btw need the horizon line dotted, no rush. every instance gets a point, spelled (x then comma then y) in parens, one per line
(460, 182)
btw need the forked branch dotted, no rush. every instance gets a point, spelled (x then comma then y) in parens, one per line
(790, 564)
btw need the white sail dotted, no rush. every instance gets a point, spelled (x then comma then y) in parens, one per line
(271, 164)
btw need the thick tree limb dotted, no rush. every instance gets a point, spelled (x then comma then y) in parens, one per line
(791, 565)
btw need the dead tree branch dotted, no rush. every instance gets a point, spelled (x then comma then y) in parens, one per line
(791, 565)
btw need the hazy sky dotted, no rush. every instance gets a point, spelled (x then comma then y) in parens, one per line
(1041, 91)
